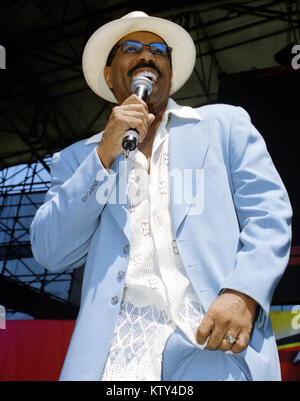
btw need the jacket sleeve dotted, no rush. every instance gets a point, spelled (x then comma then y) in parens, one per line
(264, 213)
(62, 227)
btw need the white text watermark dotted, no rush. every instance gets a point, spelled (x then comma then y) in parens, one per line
(2, 318)
(296, 59)
(187, 187)
(2, 58)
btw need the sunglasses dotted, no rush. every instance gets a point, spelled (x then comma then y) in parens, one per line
(133, 47)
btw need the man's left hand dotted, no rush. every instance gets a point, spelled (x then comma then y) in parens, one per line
(232, 313)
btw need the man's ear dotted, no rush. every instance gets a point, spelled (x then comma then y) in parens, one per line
(107, 76)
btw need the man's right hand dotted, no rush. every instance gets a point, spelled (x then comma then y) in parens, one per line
(131, 114)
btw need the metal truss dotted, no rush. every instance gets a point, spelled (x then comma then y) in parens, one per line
(44, 91)
(22, 191)
(45, 105)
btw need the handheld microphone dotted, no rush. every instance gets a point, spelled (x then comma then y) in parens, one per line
(142, 87)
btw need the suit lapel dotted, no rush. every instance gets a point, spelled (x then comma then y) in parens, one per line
(117, 202)
(188, 146)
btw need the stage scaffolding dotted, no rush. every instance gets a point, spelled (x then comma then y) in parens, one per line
(47, 106)
(25, 285)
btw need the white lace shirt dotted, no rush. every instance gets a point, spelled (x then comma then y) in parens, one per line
(158, 296)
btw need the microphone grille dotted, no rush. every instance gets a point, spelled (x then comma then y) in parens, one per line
(142, 81)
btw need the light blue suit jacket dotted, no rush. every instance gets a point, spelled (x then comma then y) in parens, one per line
(241, 240)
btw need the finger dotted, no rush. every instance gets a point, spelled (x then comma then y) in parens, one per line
(215, 338)
(145, 117)
(138, 116)
(118, 112)
(128, 118)
(127, 112)
(241, 343)
(140, 107)
(145, 124)
(133, 120)
(225, 345)
(140, 125)
(151, 118)
(205, 328)
(134, 99)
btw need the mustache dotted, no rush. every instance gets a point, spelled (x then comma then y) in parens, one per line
(144, 65)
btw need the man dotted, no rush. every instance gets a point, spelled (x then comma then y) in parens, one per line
(172, 290)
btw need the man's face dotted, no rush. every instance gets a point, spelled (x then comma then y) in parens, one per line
(126, 65)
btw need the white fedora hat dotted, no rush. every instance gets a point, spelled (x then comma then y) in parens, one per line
(102, 41)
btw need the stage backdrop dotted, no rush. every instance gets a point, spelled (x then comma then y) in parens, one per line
(34, 350)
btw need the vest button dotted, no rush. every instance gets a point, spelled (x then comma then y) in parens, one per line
(115, 300)
(120, 275)
(126, 249)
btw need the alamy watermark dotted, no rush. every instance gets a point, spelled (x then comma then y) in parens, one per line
(187, 187)
(296, 59)
(2, 58)
(2, 318)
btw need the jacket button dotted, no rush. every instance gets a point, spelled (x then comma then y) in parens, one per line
(120, 274)
(115, 300)
(126, 249)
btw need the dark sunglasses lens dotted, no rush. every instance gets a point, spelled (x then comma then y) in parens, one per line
(131, 47)
(158, 48)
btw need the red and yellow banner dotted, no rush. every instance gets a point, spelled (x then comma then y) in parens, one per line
(34, 350)
(286, 326)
